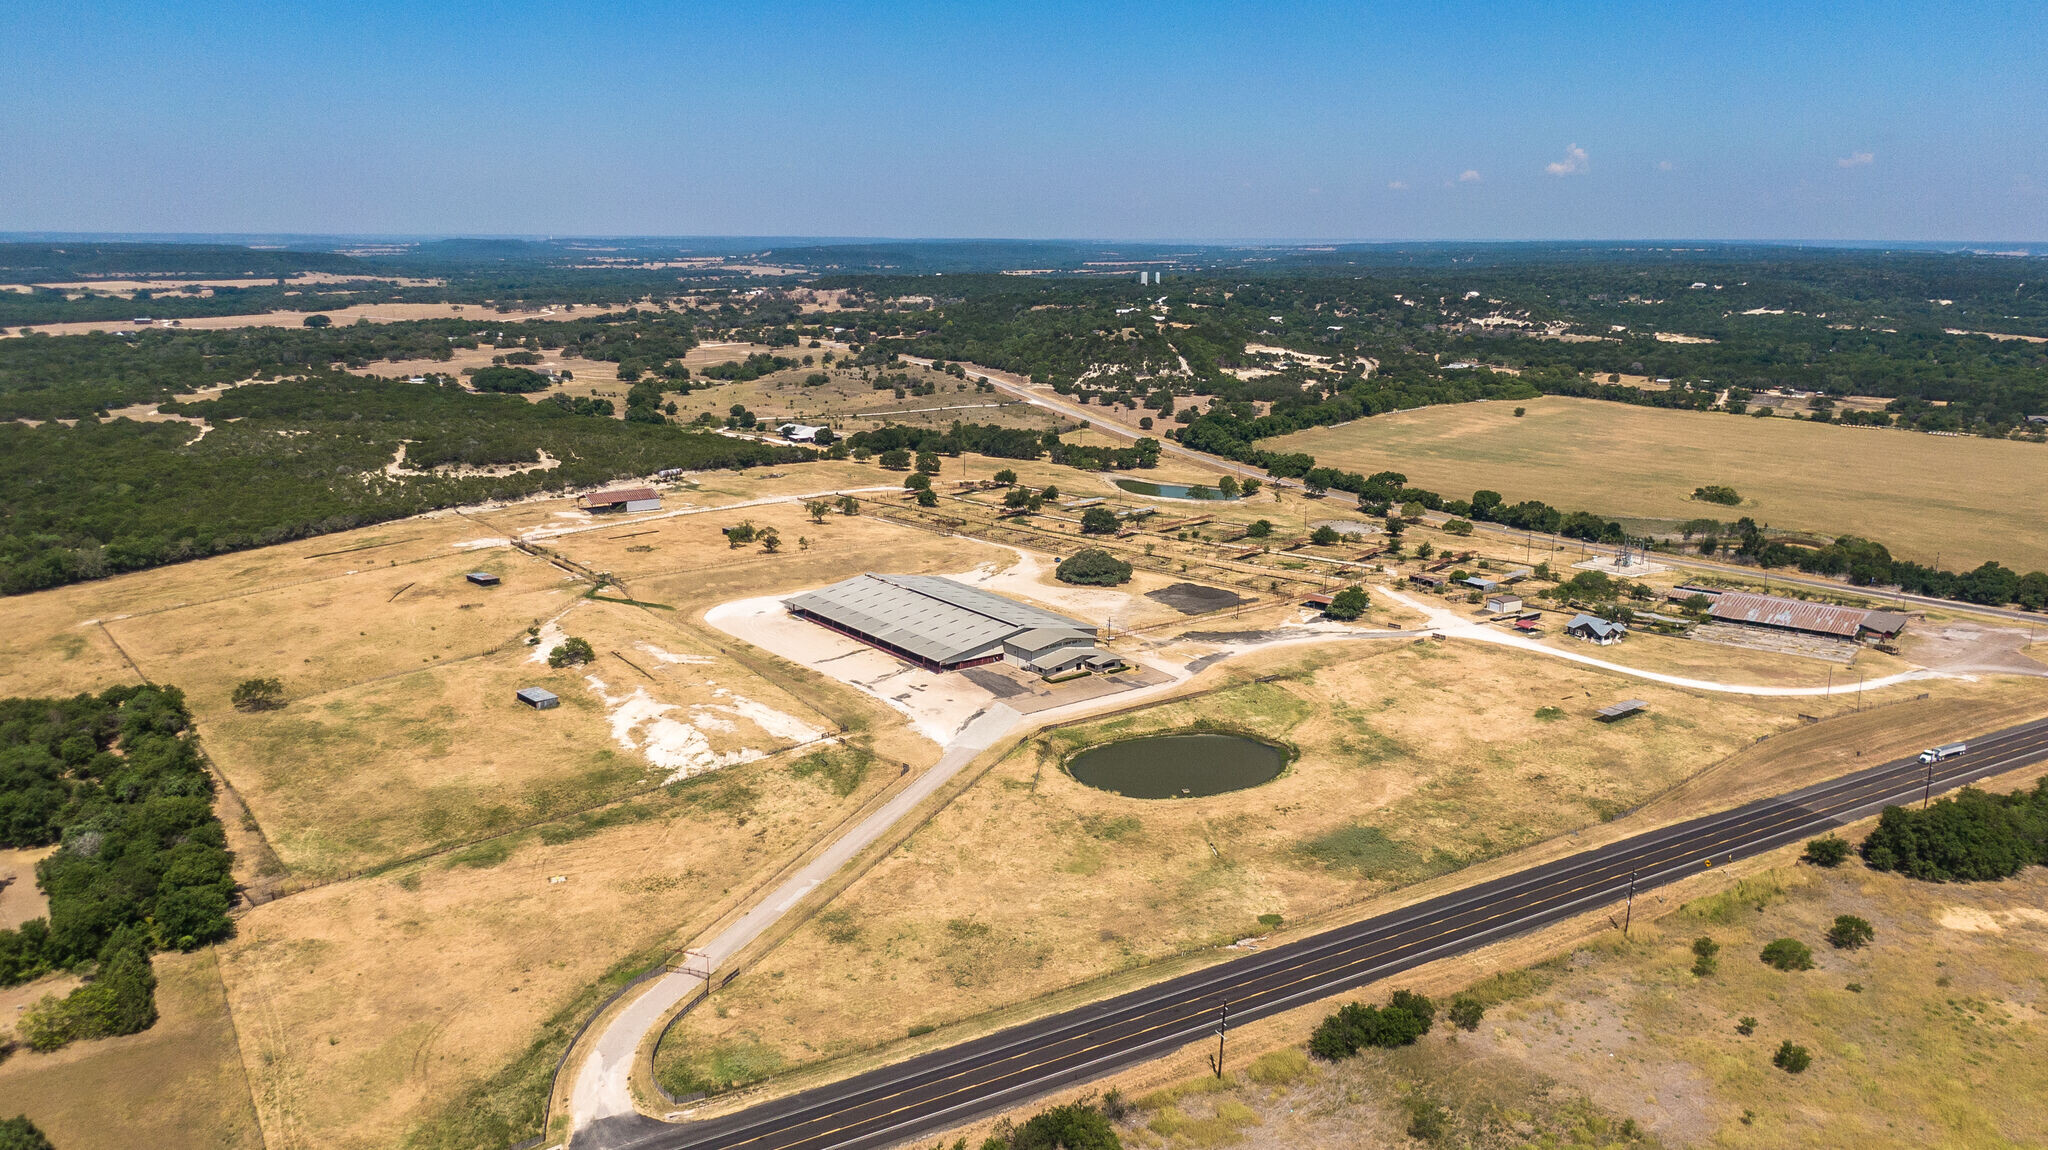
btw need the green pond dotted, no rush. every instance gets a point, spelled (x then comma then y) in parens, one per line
(1172, 490)
(1178, 766)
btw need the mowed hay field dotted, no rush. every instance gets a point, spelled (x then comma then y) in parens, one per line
(1416, 759)
(1920, 495)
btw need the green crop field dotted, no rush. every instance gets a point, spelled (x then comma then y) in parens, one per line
(1921, 495)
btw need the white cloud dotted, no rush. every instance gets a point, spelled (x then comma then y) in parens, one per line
(1856, 159)
(1666, 166)
(1469, 176)
(1397, 185)
(1574, 162)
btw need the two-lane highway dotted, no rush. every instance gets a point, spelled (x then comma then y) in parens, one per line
(945, 1088)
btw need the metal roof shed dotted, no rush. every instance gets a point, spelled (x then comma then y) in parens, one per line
(482, 578)
(540, 699)
(1620, 710)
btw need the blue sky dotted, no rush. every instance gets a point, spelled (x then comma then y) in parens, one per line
(1865, 121)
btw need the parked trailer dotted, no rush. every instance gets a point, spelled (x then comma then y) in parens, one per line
(1945, 751)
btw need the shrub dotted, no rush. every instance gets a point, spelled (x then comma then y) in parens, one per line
(571, 652)
(1259, 529)
(739, 534)
(1791, 1058)
(1324, 536)
(1094, 567)
(1006, 477)
(927, 498)
(1715, 493)
(1465, 1012)
(1550, 714)
(1406, 1017)
(258, 695)
(1098, 521)
(1787, 954)
(1075, 1126)
(1704, 952)
(1348, 604)
(1427, 1121)
(1828, 851)
(18, 1133)
(1746, 1025)
(1850, 932)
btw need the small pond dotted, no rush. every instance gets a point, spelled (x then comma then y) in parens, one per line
(1178, 766)
(1173, 490)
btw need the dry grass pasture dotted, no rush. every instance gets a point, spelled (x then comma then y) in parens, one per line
(1918, 494)
(1416, 759)
(1931, 1036)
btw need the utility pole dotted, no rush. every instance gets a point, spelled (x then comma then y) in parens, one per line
(1629, 915)
(1222, 1024)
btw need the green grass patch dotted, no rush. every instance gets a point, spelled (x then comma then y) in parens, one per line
(841, 770)
(1750, 895)
(719, 1067)
(1360, 848)
(1281, 1067)
(484, 854)
(590, 822)
(1110, 829)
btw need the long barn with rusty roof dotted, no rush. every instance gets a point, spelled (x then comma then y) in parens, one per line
(942, 624)
(1800, 615)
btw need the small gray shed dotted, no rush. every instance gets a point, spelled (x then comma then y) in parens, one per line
(539, 698)
(482, 578)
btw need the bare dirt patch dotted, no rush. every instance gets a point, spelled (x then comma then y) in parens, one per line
(1195, 599)
(20, 898)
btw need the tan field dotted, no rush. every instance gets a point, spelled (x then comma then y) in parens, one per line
(371, 312)
(1415, 760)
(1920, 495)
(552, 853)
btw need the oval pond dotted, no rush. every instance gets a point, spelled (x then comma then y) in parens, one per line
(1178, 766)
(1173, 490)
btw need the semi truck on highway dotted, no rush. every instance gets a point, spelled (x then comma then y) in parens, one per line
(1945, 751)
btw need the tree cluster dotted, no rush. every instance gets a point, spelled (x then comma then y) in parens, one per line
(1093, 567)
(143, 865)
(1975, 836)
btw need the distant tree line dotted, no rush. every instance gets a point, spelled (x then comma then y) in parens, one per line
(101, 498)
